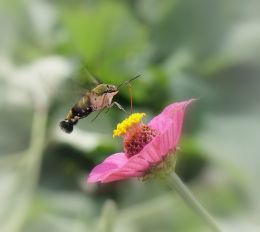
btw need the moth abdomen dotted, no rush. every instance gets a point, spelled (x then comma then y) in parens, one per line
(66, 126)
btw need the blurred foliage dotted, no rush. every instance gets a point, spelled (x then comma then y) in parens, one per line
(203, 48)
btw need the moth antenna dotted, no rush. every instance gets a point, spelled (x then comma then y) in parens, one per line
(127, 82)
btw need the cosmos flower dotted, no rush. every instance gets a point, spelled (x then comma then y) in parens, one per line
(147, 147)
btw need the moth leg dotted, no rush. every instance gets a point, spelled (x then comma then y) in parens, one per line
(107, 110)
(99, 112)
(118, 106)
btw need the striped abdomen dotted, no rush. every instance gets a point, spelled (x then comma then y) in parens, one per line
(80, 110)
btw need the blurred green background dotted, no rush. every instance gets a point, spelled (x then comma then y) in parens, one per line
(202, 48)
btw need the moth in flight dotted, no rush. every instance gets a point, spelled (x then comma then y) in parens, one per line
(96, 99)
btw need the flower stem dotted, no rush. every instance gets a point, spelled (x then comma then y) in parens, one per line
(28, 167)
(108, 217)
(175, 182)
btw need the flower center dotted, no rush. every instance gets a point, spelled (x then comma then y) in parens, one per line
(135, 134)
(129, 122)
(137, 138)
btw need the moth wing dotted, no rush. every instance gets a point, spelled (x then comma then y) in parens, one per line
(88, 75)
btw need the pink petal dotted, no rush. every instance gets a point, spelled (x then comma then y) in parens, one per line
(109, 165)
(155, 151)
(136, 164)
(119, 159)
(169, 124)
(134, 167)
(171, 109)
(119, 175)
(173, 113)
(177, 112)
(158, 122)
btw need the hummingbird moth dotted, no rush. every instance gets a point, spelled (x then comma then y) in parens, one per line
(96, 99)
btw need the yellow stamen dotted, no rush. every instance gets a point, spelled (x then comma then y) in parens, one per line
(122, 127)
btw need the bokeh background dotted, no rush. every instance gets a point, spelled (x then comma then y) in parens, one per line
(202, 48)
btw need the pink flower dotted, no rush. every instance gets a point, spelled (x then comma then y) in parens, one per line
(145, 146)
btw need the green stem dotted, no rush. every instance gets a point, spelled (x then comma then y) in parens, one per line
(34, 155)
(175, 182)
(30, 171)
(108, 217)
